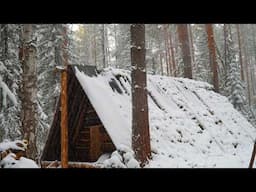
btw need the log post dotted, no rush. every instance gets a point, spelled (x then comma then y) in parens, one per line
(64, 103)
(253, 155)
(64, 120)
(64, 116)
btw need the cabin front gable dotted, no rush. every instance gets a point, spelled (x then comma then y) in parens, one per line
(87, 137)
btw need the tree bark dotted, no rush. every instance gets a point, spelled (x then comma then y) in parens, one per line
(103, 46)
(115, 35)
(161, 63)
(29, 113)
(153, 66)
(185, 49)
(240, 52)
(225, 48)
(253, 66)
(167, 60)
(191, 45)
(212, 54)
(94, 46)
(140, 122)
(173, 56)
(246, 65)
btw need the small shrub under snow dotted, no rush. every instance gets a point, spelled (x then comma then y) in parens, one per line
(123, 157)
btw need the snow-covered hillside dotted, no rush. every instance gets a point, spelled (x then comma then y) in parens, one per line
(190, 125)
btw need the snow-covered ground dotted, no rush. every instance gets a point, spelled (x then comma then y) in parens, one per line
(190, 125)
(9, 161)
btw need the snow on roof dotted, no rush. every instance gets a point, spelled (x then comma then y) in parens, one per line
(190, 125)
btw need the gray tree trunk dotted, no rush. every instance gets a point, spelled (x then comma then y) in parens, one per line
(104, 61)
(29, 114)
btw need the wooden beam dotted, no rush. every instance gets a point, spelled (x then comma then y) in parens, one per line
(81, 112)
(55, 164)
(95, 126)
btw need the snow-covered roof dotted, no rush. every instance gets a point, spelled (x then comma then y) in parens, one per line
(190, 125)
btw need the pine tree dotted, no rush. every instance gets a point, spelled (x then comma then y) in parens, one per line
(155, 48)
(234, 87)
(202, 64)
(122, 53)
(50, 41)
(10, 71)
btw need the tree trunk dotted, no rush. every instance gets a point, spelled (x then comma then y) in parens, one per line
(191, 45)
(115, 35)
(140, 122)
(107, 55)
(153, 66)
(185, 49)
(246, 65)
(225, 48)
(90, 35)
(94, 46)
(240, 52)
(29, 114)
(161, 63)
(103, 46)
(167, 61)
(173, 56)
(253, 81)
(254, 53)
(167, 50)
(213, 59)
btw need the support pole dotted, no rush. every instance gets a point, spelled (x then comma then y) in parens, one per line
(64, 120)
(253, 155)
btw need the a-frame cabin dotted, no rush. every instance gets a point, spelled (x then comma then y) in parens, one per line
(188, 122)
(87, 137)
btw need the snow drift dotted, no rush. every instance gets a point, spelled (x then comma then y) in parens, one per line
(10, 160)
